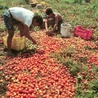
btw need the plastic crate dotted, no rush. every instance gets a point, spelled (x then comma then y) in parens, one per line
(18, 43)
(83, 33)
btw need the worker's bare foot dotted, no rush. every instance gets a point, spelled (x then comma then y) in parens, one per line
(9, 54)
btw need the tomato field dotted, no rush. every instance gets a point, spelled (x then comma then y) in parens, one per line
(58, 67)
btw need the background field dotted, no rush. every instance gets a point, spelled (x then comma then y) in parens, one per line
(85, 14)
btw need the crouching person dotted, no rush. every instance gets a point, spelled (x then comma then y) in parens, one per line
(54, 20)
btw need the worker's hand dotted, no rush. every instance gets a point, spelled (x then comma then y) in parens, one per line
(21, 34)
(49, 32)
(34, 42)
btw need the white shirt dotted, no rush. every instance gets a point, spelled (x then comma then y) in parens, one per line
(23, 15)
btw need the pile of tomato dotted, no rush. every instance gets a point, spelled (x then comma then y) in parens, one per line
(40, 75)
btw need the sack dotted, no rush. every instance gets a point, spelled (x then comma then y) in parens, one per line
(83, 33)
(18, 43)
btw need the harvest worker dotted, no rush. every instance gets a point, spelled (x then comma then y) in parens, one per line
(23, 19)
(54, 20)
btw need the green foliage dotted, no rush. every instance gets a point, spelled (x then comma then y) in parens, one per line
(74, 70)
(94, 85)
(2, 26)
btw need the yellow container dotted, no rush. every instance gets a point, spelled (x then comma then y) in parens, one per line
(18, 43)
